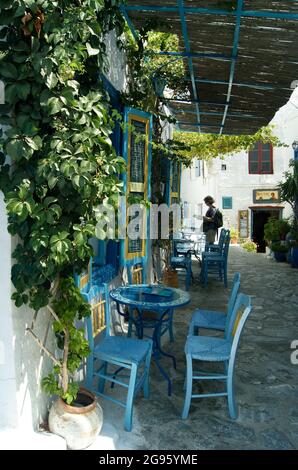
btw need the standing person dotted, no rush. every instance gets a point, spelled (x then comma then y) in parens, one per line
(209, 225)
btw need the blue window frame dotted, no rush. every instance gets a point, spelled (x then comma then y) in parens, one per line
(227, 203)
(197, 168)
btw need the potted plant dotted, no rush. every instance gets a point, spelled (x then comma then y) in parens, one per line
(169, 274)
(249, 246)
(276, 229)
(234, 235)
(75, 414)
(279, 249)
(289, 193)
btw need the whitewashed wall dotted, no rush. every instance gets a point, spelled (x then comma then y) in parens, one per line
(235, 181)
(116, 72)
(22, 403)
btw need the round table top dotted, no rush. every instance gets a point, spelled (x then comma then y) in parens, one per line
(150, 296)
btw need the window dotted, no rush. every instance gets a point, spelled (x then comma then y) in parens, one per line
(137, 155)
(197, 168)
(260, 159)
(227, 203)
(175, 183)
(223, 167)
(199, 208)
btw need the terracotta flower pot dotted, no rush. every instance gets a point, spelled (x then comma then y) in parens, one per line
(79, 423)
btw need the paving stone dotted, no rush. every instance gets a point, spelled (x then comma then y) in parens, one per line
(266, 383)
(275, 440)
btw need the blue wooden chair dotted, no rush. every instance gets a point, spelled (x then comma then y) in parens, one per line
(213, 262)
(133, 355)
(214, 349)
(181, 259)
(217, 247)
(215, 320)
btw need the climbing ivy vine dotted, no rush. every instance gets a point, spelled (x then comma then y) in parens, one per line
(57, 162)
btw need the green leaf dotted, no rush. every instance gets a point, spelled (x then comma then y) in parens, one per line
(51, 80)
(8, 70)
(55, 105)
(91, 51)
(15, 149)
(23, 90)
(76, 181)
(31, 143)
(52, 181)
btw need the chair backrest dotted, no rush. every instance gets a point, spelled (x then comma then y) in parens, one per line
(98, 323)
(233, 296)
(239, 315)
(219, 245)
(226, 244)
(135, 272)
(222, 237)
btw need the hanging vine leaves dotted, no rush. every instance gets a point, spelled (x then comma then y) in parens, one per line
(56, 151)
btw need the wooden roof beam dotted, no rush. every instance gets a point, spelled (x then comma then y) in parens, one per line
(233, 64)
(187, 50)
(213, 11)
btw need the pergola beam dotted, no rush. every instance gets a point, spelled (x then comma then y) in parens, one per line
(233, 64)
(213, 11)
(212, 113)
(187, 101)
(129, 22)
(187, 50)
(195, 55)
(182, 123)
(257, 86)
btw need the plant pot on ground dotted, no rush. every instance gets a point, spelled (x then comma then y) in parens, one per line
(75, 414)
(279, 250)
(80, 422)
(234, 236)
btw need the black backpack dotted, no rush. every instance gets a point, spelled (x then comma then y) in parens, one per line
(218, 219)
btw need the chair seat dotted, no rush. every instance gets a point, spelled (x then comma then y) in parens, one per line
(180, 260)
(121, 348)
(208, 348)
(213, 257)
(208, 319)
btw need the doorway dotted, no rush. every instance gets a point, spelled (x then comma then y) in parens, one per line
(259, 219)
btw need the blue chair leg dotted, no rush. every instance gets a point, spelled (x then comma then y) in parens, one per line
(89, 372)
(102, 381)
(225, 276)
(130, 397)
(231, 398)
(147, 375)
(171, 333)
(188, 392)
(130, 323)
(188, 277)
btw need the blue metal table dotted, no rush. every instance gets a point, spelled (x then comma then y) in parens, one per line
(153, 298)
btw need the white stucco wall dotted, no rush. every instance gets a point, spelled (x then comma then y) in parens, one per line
(116, 72)
(235, 181)
(22, 403)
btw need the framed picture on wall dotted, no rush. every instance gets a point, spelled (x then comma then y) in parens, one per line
(261, 196)
(243, 223)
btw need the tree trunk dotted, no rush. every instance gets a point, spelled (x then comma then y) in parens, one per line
(64, 362)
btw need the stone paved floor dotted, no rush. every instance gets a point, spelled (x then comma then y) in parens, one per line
(266, 381)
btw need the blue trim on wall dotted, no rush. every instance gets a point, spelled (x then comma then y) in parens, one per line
(115, 102)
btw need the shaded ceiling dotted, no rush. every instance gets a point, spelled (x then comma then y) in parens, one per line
(240, 58)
